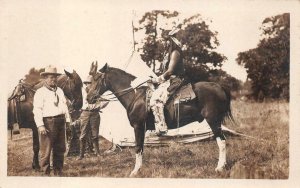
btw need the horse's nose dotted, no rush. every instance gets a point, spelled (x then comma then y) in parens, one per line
(93, 99)
(90, 99)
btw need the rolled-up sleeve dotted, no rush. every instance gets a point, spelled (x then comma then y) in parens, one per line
(38, 105)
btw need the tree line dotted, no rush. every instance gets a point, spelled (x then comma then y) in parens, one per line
(267, 65)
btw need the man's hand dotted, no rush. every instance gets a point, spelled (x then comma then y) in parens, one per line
(154, 80)
(42, 130)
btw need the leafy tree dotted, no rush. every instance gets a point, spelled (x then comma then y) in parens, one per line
(198, 40)
(33, 76)
(202, 62)
(224, 79)
(267, 65)
(152, 49)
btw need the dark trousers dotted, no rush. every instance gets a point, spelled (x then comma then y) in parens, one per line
(53, 141)
(90, 121)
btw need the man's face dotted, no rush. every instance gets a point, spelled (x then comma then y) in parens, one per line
(51, 80)
(87, 86)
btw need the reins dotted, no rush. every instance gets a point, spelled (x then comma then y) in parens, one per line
(127, 90)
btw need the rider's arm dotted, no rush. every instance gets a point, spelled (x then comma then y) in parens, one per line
(174, 60)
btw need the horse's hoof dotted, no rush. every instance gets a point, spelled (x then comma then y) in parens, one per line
(133, 173)
(36, 167)
(16, 129)
(220, 169)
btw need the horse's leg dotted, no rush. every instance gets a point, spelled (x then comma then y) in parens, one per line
(220, 138)
(139, 131)
(36, 148)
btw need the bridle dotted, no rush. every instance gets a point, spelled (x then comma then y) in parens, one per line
(114, 98)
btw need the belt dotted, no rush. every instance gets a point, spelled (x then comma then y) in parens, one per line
(61, 116)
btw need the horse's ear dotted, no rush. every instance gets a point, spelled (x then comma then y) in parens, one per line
(96, 65)
(104, 68)
(70, 75)
(93, 69)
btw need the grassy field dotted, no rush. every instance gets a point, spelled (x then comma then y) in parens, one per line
(268, 122)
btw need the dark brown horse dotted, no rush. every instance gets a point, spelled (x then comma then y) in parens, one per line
(212, 103)
(20, 105)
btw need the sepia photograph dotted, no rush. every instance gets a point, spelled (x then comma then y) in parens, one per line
(139, 92)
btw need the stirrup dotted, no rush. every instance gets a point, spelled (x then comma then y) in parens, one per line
(16, 129)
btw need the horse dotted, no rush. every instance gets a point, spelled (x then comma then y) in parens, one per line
(212, 103)
(20, 106)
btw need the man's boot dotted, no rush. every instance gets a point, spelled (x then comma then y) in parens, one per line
(96, 147)
(82, 149)
(89, 145)
(160, 123)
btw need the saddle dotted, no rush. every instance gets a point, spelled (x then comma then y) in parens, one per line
(19, 92)
(14, 106)
(182, 95)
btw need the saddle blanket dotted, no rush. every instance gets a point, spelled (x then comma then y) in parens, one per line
(184, 94)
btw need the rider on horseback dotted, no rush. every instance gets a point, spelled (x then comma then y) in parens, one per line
(168, 82)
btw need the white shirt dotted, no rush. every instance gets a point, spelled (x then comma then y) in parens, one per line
(87, 106)
(43, 105)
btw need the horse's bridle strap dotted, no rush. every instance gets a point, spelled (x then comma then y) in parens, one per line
(127, 90)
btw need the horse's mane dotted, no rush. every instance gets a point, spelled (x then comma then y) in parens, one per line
(113, 69)
(78, 79)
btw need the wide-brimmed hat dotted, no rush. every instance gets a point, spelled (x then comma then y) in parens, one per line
(88, 79)
(50, 70)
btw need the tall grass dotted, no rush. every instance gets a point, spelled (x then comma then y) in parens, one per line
(267, 122)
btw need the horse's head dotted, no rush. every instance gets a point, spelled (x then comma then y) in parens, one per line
(98, 85)
(71, 84)
(108, 78)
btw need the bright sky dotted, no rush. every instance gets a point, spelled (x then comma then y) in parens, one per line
(72, 34)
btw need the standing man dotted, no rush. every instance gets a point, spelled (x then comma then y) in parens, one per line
(50, 114)
(90, 120)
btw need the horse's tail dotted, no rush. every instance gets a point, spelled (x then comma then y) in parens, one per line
(228, 113)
